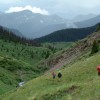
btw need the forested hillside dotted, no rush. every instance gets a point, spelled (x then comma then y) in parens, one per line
(18, 59)
(67, 35)
(8, 35)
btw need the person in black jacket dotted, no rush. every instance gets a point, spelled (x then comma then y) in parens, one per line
(59, 74)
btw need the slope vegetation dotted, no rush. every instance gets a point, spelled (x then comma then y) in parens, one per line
(68, 56)
(79, 82)
(18, 57)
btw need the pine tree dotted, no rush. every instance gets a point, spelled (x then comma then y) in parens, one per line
(95, 47)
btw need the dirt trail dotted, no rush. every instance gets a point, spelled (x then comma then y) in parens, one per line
(61, 64)
(73, 53)
(64, 59)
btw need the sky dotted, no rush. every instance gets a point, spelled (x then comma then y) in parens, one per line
(63, 8)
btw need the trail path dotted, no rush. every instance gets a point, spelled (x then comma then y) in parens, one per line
(73, 53)
(63, 61)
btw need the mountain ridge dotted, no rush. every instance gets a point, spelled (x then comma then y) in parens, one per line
(89, 22)
(28, 23)
(67, 35)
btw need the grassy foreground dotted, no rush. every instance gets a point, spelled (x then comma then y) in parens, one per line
(79, 82)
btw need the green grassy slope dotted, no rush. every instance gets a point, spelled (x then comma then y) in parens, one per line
(13, 71)
(19, 59)
(58, 46)
(79, 82)
(26, 53)
(17, 63)
(7, 81)
(23, 62)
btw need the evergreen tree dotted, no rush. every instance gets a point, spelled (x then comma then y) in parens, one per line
(8, 36)
(95, 47)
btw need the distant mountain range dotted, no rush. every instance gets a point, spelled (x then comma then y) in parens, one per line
(81, 17)
(68, 35)
(88, 22)
(33, 25)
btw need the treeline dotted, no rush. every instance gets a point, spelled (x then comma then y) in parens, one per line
(10, 36)
(67, 35)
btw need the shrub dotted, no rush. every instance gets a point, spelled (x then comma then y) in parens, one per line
(95, 47)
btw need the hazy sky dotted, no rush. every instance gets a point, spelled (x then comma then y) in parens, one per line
(64, 8)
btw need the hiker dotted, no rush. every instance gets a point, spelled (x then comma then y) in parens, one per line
(53, 75)
(98, 69)
(59, 74)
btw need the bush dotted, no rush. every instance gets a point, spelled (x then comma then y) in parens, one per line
(95, 47)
